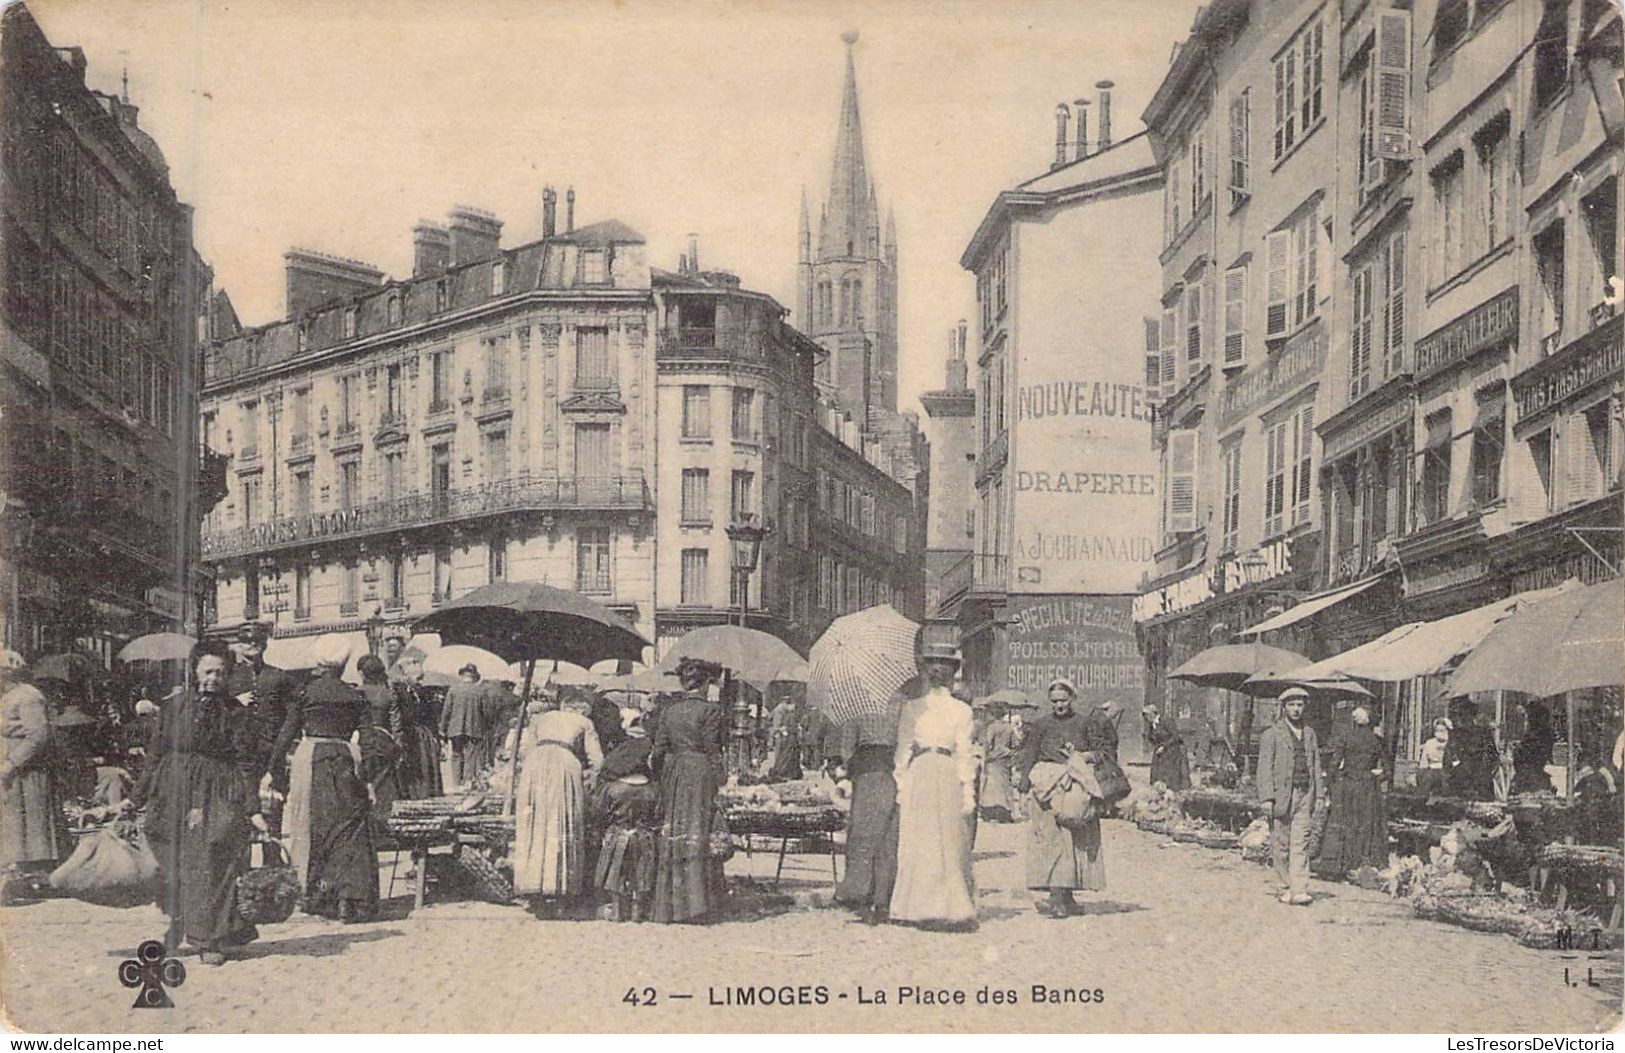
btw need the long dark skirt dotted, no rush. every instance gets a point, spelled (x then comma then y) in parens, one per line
(197, 825)
(1171, 767)
(418, 773)
(871, 831)
(688, 882)
(343, 865)
(1356, 828)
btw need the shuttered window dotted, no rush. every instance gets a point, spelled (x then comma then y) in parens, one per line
(1235, 316)
(1240, 140)
(1360, 335)
(1181, 475)
(1193, 325)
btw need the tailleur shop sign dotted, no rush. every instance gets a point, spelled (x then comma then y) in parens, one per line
(1490, 324)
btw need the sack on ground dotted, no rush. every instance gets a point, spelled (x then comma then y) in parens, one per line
(112, 867)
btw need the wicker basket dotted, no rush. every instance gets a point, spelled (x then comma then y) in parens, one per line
(1186, 835)
(1482, 914)
(1582, 857)
(1218, 839)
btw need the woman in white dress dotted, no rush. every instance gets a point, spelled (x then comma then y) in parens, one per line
(936, 800)
(560, 755)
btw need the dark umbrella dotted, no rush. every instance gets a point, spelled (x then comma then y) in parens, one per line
(521, 621)
(1232, 665)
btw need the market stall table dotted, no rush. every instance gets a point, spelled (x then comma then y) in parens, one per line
(788, 824)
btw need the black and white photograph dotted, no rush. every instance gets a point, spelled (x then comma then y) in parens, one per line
(787, 518)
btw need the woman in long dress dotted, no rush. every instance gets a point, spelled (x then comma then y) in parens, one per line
(1061, 859)
(688, 758)
(31, 829)
(1169, 765)
(627, 807)
(327, 817)
(379, 738)
(936, 800)
(201, 811)
(418, 773)
(560, 754)
(997, 797)
(1357, 825)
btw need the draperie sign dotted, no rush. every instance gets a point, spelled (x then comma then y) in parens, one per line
(1084, 477)
(1492, 322)
(1302, 359)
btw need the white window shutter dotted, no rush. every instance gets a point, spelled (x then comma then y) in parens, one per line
(1360, 335)
(1235, 316)
(1392, 55)
(1395, 320)
(1304, 468)
(1153, 357)
(1193, 324)
(1170, 350)
(1240, 134)
(1182, 480)
(1277, 286)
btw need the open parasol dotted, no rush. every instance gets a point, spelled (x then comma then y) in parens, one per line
(1232, 665)
(753, 656)
(158, 647)
(861, 661)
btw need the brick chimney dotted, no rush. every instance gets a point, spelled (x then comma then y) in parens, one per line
(431, 249)
(315, 278)
(475, 235)
(957, 378)
(550, 212)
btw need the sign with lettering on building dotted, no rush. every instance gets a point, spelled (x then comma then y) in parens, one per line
(1491, 323)
(1300, 360)
(1088, 640)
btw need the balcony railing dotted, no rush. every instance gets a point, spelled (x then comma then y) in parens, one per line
(711, 342)
(975, 574)
(523, 494)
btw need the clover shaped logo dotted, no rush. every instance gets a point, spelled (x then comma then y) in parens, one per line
(151, 971)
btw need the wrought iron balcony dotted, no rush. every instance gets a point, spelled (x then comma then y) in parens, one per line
(975, 574)
(524, 494)
(711, 342)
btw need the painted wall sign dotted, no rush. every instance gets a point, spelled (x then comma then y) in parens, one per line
(1367, 426)
(1088, 640)
(1598, 355)
(1495, 321)
(1301, 360)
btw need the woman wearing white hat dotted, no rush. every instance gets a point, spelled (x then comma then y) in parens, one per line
(326, 818)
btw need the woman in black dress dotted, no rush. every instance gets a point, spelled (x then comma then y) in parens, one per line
(329, 803)
(1357, 825)
(380, 747)
(687, 758)
(418, 773)
(1534, 752)
(1169, 765)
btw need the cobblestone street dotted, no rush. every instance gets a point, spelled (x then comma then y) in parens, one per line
(1186, 939)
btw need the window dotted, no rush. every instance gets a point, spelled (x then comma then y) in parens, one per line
(1587, 456)
(1433, 497)
(394, 581)
(1292, 274)
(1549, 296)
(496, 455)
(251, 594)
(1193, 324)
(744, 427)
(592, 359)
(349, 323)
(998, 393)
(248, 443)
(1230, 509)
(594, 267)
(696, 411)
(1360, 335)
(1299, 80)
(1198, 163)
(696, 496)
(442, 573)
(442, 295)
(592, 559)
(1277, 453)
(499, 275)
(1174, 217)
(496, 559)
(393, 311)
(439, 381)
(1393, 319)
(1551, 51)
(1306, 258)
(440, 472)
(348, 414)
(1170, 348)
(1493, 147)
(251, 499)
(1303, 464)
(1447, 214)
(594, 458)
(394, 474)
(349, 484)
(496, 366)
(1180, 469)
(742, 497)
(349, 588)
(1489, 445)
(394, 406)
(1240, 147)
(301, 492)
(299, 415)
(1600, 214)
(301, 591)
(695, 570)
(1449, 26)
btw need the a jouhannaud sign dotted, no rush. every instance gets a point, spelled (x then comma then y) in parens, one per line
(1493, 322)
(1231, 575)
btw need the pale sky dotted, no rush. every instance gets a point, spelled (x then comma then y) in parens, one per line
(337, 125)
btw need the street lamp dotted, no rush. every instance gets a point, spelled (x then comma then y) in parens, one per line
(745, 535)
(375, 630)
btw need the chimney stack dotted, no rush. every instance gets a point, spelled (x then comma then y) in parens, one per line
(1105, 88)
(958, 379)
(550, 212)
(475, 235)
(315, 279)
(570, 211)
(1082, 106)
(693, 253)
(431, 249)
(1062, 114)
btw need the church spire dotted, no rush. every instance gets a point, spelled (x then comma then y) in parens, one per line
(845, 231)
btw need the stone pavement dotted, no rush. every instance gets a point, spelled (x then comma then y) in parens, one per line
(1186, 939)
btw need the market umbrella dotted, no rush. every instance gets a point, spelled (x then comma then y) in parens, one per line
(1573, 640)
(450, 659)
(749, 654)
(158, 647)
(526, 620)
(1270, 683)
(644, 682)
(861, 661)
(1231, 665)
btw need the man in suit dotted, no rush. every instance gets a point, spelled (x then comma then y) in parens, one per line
(1288, 787)
(465, 722)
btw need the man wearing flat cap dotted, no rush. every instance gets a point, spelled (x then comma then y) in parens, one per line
(1288, 787)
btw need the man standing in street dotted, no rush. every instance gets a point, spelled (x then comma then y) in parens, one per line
(1288, 787)
(465, 723)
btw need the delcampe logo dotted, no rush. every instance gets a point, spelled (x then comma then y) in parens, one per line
(151, 971)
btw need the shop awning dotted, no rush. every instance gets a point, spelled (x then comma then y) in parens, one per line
(1423, 648)
(1310, 607)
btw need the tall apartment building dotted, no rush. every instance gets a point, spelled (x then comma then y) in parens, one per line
(1066, 485)
(397, 443)
(104, 300)
(1420, 416)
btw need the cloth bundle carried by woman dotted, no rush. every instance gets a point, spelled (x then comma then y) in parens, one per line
(112, 867)
(1081, 790)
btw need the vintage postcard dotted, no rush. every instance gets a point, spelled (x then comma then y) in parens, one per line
(1097, 516)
